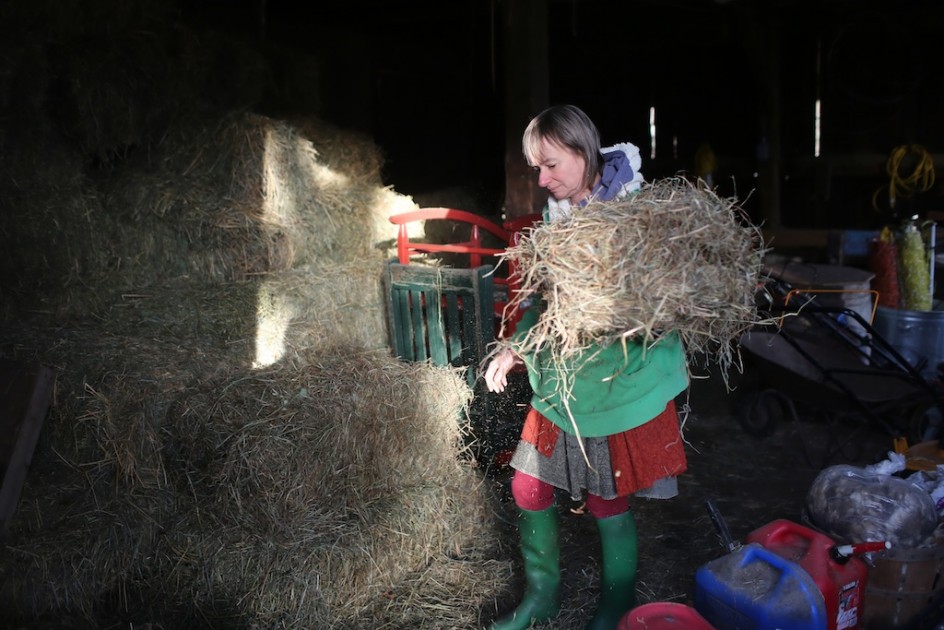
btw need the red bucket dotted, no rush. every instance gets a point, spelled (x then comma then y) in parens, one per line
(663, 616)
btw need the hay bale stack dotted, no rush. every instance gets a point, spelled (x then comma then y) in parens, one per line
(230, 443)
(97, 497)
(673, 256)
(129, 159)
(172, 480)
(250, 196)
(226, 203)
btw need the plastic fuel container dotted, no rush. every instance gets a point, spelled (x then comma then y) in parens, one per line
(754, 588)
(841, 580)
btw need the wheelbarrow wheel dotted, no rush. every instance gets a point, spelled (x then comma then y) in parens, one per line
(761, 412)
(922, 423)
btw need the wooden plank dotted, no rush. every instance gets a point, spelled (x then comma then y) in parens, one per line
(784, 238)
(403, 335)
(452, 329)
(25, 396)
(452, 310)
(435, 331)
(449, 314)
(418, 326)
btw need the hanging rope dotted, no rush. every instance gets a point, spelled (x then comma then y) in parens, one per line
(919, 180)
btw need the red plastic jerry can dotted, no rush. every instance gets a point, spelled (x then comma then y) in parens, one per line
(841, 579)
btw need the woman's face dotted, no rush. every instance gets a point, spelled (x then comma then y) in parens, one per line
(561, 171)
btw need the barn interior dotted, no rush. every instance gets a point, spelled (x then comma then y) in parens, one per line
(206, 420)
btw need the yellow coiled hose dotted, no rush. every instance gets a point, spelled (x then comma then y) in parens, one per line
(920, 180)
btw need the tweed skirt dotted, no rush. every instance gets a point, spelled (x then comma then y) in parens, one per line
(642, 460)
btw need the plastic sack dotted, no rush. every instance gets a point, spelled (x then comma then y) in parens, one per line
(933, 483)
(896, 462)
(859, 505)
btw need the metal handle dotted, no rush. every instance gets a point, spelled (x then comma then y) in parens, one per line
(730, 544)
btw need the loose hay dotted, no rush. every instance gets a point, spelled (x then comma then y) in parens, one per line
(673, 256)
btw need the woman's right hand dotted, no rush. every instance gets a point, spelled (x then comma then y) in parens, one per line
(496, 375)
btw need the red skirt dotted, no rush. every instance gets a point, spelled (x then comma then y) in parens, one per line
(638, 457)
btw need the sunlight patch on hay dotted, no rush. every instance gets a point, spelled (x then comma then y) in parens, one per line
(274, 314)
(284, 191)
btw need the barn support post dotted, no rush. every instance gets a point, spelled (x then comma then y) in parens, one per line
(526, 81)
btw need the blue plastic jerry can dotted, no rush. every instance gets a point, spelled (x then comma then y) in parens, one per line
(756, 589)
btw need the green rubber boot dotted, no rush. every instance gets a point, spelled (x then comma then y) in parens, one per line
(618, 570)
(540, 548)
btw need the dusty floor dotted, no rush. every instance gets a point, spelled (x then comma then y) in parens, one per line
(751, 481)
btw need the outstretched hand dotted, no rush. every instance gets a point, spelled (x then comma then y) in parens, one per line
(496, 375)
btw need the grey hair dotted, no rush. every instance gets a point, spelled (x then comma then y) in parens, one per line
(569, 127)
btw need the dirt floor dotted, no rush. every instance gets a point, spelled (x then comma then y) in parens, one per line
(751, 481)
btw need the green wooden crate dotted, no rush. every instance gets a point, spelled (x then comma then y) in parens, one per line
(441, 314)
(446, 316)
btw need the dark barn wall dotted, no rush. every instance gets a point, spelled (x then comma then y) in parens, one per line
(421, 77)
(742, 76)
(425, 80)
(710, 70)
(880, 90)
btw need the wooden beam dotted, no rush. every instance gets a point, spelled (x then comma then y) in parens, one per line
(526, 82)
(786, 238)
(25, 394)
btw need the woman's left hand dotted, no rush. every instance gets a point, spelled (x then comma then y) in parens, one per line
(496, 375)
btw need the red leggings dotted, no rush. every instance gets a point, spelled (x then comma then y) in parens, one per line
(531, 493)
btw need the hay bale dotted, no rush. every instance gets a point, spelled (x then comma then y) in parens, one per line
(673, 256)
(276, 317)
(247, 197)
(94, 504)
(326, 493)
(354, 155)
(321, 305)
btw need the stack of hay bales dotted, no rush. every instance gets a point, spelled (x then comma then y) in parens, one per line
(230, 441)
(175, 488)
(239, 199)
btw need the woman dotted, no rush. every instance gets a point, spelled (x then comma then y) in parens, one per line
(616, 432)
